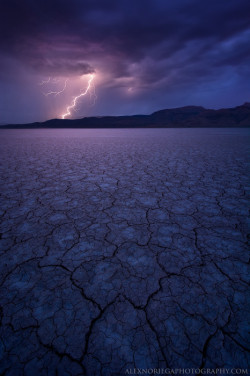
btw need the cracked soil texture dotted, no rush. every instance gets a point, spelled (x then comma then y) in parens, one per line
(123, 249)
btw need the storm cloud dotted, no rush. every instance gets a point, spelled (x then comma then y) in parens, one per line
(151, 54)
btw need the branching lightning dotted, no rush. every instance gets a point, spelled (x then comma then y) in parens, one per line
(76, 98)
(45, 82)
(90, 89)
(57, 92)
(55, 80)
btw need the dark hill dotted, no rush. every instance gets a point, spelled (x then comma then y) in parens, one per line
(183, 117)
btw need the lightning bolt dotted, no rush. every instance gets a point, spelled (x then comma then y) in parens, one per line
(55, 80)
(75, 100)
(45, 82)
(57, 92)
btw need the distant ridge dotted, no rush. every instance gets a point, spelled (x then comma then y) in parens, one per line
(182, 117)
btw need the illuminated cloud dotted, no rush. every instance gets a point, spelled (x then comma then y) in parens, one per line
(147, 55)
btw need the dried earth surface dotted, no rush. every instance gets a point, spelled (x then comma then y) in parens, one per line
(123, 249)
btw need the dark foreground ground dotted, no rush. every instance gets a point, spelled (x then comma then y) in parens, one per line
(123, 249)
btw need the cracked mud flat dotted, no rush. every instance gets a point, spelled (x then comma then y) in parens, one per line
(123, 249)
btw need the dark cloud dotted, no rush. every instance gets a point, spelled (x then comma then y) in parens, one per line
(159, 44)
(128, 28)
(57, 67)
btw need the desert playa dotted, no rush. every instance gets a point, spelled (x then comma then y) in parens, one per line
(123, 249)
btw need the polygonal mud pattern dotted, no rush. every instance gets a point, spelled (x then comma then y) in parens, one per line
(123, 249)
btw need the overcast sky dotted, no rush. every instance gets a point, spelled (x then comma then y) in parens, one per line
(145, 55)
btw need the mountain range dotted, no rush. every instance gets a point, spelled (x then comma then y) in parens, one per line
(182, 117)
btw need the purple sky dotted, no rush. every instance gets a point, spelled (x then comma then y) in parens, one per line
(145, 55)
